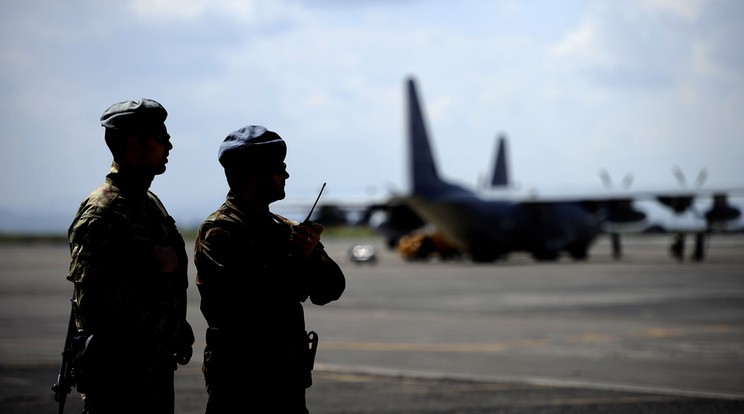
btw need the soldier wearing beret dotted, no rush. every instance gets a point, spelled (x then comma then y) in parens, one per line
(254, 271)
(128, 265)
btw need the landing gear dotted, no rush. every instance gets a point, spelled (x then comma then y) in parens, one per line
(546, 255)
(617, 248)
(677, 249)
(579, 254)
(578, 251)
(698, 254)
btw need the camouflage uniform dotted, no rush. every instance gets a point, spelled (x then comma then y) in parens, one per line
(252, 288)
(135, 311)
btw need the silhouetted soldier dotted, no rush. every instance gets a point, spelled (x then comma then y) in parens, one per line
(254, 271)
(129, 269)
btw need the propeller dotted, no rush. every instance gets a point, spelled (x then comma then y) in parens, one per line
(682, 180)
(620, 210)
(625, 184)
(680, 176)
(606, 179)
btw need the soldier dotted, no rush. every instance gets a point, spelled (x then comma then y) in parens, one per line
(128, 265)
(254, 271)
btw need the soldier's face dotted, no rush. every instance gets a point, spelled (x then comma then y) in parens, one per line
(156, 146)
(275, 181)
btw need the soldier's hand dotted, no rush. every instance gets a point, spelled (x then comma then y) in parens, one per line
(167, 257)
(184, 355)
(305, 237)
(185, 343)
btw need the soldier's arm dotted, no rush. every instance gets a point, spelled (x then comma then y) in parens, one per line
(327, 280)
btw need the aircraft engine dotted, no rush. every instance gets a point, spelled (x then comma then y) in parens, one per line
(622, 211)
(721, 211)
(678, 204)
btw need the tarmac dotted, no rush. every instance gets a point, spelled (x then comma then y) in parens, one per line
(25, 390)
(645, 334)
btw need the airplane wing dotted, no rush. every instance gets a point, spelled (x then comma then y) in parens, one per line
(616, 204)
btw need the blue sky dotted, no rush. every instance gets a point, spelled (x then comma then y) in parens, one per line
(629, 86)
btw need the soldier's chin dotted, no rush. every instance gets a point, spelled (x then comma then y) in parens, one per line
(280, 195)
(160, 170)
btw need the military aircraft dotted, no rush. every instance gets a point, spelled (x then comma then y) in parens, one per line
(488, 225)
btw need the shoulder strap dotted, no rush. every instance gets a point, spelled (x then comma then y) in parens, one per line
(283, 220)
(235, 217)
(158, 203)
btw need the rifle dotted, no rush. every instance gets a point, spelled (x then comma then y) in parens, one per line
(66, 378)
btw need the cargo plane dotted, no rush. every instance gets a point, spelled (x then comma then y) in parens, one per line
(488, 225)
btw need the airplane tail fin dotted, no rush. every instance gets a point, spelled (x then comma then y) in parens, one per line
(424, 176)
(500, 177)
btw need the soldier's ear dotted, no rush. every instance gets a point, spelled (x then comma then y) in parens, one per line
(127, 141)
(131, 150)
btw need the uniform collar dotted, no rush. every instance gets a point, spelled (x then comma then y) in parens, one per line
(128, 181)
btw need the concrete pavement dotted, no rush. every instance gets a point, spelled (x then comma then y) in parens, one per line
(646, 334)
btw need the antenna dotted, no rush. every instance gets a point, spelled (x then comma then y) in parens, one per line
(307, 219)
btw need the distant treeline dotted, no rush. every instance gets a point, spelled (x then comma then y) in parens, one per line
(28, 238)
(188, 235)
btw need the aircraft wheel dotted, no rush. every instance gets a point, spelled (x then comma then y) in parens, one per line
(546, 256)
(480, 257)
(579, 254)
(578, 251)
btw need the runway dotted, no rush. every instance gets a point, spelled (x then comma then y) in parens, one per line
(644, 331)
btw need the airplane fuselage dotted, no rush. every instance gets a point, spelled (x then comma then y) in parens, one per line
(489, 230)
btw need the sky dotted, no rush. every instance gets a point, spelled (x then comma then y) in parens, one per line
(632, 87)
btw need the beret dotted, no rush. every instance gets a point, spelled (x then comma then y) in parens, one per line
(252, 146)
(145, 115)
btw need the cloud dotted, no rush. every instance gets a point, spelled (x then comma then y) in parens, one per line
(619, 46)
(184, 11)
(579, 85)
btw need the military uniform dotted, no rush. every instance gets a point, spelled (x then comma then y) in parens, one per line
(133, 312)
(252, 286)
